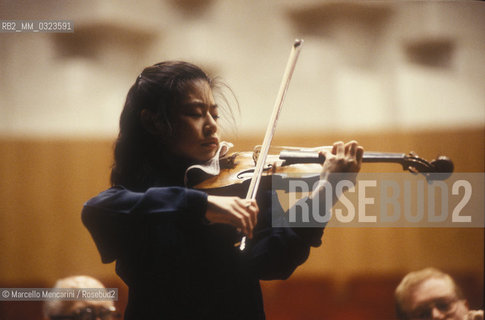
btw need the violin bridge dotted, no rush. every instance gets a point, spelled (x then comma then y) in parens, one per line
(228, 162)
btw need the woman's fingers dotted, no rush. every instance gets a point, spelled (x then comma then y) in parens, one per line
(252, 206)
(360, 154)
(244, 216)
(234, 211)
(344, 157)
(339, 149)
(351, 148)
(343, 163)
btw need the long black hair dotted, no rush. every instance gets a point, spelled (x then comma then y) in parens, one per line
(138, 152)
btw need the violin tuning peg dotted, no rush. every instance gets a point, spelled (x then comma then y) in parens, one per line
(413, 170)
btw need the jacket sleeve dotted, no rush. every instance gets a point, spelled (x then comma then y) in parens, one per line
(275, 252)
(114, 216)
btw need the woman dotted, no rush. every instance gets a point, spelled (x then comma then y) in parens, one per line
(173, 245)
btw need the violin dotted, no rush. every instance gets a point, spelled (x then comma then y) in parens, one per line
(305, 164)
(242, 167)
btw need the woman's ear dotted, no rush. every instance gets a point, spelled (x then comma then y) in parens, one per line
(151, 122)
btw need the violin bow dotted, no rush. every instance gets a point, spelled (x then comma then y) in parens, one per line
(270, 129)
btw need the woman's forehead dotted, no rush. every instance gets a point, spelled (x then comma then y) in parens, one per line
(198, 91)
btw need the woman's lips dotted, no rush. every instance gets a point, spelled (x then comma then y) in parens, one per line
(211, 144)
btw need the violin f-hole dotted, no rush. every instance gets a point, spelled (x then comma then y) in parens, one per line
(248, 173)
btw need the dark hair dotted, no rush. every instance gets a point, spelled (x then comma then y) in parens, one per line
(137, 151)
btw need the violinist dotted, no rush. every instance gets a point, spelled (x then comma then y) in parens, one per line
(174, 246)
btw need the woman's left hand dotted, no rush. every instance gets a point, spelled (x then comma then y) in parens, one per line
(343, 162)
(343, 158)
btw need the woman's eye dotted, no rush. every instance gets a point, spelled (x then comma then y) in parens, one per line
(215, 116)
(194, 114)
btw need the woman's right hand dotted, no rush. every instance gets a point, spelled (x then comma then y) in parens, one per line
(234, 211)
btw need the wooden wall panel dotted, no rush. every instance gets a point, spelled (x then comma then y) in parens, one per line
(44, 184)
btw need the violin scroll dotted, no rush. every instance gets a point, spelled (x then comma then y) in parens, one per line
(443, 164)
(439, 169)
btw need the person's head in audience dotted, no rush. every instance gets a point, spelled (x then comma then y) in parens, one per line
(79, 309)
(431, 294)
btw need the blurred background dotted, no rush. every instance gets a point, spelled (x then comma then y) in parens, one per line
(397, 76)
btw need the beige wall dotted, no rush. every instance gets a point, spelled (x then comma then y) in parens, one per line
(364, 66)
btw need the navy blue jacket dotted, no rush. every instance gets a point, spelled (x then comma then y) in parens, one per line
(178, 266)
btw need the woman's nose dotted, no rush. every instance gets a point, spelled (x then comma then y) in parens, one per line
(210, 126)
